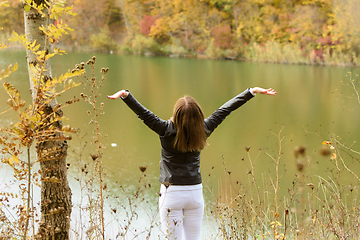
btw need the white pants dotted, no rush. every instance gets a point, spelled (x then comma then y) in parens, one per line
(181, 211)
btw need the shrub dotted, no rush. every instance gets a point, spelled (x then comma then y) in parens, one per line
(223, 37)
(215, 52)
(276, 52)
(141, 45)
(102, 41)
(159, 31)
(175, 48)
(146, 23)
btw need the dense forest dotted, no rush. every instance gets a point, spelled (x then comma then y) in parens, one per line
(285, 31)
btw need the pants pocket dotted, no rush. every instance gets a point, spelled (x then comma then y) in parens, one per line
(170, 200)
(198, 198)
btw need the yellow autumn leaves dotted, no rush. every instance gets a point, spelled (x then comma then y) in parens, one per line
(13, 159)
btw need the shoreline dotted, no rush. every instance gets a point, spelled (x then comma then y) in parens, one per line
(88, 49)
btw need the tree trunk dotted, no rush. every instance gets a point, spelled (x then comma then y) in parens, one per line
(123, 9)
(51, 151)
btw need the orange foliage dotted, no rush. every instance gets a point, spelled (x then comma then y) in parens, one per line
(223, 37)
(146, 23)
(160, 31)
(322, 25)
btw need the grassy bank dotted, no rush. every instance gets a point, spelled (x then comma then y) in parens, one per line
(270, 52)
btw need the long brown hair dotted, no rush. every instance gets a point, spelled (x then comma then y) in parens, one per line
(189, 122)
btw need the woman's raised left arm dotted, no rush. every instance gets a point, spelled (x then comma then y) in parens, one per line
(122, 93)
(221, 113)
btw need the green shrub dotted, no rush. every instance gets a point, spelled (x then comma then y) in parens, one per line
(102, 41)
(215, 52)
(275, 52)
(175, 48)
(141, 45)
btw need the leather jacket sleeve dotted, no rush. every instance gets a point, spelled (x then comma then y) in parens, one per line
(182, 168)
(221, 113)
(159, 126)
(150, 119)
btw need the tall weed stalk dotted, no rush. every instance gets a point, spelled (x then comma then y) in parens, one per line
(119, 204)
(92, 86)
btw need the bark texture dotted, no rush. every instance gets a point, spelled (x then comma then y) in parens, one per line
(52, 149)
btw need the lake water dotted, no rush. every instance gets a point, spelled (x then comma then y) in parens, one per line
(312, 103)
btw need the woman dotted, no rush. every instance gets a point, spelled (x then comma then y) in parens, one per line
(182, 138)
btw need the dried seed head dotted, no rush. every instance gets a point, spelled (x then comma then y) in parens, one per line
(247, 148)
(94, 157)
(143, 168)
(311, 185)
(299, 165)
(299, 151)
(104, 70)
(325, 151)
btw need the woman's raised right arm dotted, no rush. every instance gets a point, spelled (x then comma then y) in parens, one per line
(150, 119)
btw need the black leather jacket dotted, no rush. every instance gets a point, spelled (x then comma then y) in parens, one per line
(182, 168)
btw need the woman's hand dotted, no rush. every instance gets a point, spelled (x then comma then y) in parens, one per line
(122, 94)
(260, 90)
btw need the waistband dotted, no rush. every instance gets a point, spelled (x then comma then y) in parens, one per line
(174, 188)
